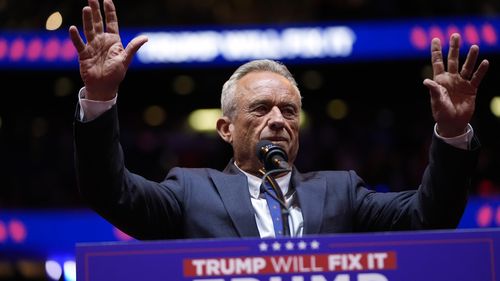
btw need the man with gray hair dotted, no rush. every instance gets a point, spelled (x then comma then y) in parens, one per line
(261, 102)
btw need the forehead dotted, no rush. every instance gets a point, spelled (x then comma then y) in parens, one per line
(265, 84)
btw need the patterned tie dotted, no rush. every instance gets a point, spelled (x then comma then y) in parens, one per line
(274, 205)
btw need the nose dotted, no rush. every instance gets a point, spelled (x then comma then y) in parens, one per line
(276, 120)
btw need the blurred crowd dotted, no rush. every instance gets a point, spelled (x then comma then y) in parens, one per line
(32, 14)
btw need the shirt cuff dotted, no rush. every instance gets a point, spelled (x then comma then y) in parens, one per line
(91, 109)
(462, 141)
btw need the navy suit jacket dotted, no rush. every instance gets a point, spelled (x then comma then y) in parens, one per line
(207, 203)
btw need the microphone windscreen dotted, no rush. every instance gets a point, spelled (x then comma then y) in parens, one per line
(262, 148)
(267, 152)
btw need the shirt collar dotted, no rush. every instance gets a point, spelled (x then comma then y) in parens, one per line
(254, 183)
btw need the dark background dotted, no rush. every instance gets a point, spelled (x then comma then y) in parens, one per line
(385, 136)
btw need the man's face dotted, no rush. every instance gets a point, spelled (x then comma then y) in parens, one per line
(267, 107)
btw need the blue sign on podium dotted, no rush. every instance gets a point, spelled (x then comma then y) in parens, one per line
(457, 255)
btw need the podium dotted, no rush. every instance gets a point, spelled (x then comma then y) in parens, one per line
(458, 255)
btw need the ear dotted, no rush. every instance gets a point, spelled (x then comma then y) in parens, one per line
(225, 129)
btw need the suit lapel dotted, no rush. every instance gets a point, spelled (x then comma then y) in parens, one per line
(233, 190)
(311, 193)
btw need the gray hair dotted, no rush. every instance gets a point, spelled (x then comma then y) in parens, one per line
(228, 105)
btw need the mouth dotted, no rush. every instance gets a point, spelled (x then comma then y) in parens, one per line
(276, 139)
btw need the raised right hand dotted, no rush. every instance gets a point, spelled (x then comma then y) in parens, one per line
(103, 60)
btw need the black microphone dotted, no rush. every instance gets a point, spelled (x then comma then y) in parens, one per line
(272, 156)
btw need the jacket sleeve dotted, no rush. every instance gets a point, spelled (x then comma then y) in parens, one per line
(439, 202)
(141, 208)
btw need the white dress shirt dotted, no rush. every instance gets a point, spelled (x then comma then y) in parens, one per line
(263, 215)
(92, 109)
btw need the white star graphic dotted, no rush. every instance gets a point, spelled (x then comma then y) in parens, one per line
(314, 245)
(263, 247)
(276, 246)
(302, 245)
(289, 245)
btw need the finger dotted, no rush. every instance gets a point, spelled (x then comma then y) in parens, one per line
(470, 61)
(432, 86)
(133, 47)
(453, 53)
(438, 97)
(76, 39)
(96, 16)
(111, 19)
(480, 73)
(88, 27)
(436, 57)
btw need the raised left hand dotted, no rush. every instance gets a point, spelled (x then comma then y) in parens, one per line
(453, 93)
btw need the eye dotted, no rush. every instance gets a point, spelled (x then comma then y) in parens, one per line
(260, 109)
(289, 112)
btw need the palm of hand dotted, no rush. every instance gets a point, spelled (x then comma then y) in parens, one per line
(456, 102)
(102, 63)
(453, 92)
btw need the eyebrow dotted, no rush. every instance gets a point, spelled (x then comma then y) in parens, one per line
(267, 102)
